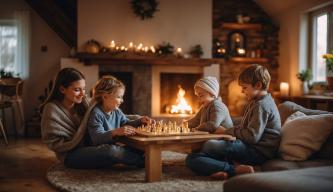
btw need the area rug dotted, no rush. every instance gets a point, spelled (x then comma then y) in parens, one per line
(176, 177)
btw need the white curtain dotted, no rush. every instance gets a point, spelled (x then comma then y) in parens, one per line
(22, 56)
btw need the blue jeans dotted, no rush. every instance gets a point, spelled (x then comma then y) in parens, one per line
(218, 155)
(102, 156)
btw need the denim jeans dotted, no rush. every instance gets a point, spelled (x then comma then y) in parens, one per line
(102, 156)
(219, 155)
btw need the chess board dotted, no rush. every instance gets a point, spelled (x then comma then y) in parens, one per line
(156, 134)
(161, 129)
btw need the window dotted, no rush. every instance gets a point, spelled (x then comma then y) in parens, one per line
(321, 40)
(8, 44)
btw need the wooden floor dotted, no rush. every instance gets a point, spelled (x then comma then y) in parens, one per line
(23, 164)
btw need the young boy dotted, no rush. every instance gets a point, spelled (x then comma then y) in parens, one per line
(213, 112)
(258, 135)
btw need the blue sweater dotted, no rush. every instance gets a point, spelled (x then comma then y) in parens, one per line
(101, 124)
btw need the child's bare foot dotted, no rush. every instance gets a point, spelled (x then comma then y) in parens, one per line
(221, 175)
(243, 169)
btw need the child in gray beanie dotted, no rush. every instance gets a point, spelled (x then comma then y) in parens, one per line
(213, 112)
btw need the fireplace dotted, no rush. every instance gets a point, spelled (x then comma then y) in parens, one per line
(166, 84)
(177, 90)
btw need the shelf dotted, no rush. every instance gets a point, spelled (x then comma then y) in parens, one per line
(107, 59)
(246, 26)
(248, 60)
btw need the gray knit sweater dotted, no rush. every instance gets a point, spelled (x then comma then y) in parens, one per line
(211, 116)
(61, 131)
(260, 126)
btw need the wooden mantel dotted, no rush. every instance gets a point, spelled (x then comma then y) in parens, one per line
(108, 59)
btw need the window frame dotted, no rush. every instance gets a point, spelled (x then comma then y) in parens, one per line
(312, 34)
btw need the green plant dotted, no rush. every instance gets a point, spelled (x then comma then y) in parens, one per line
(145, 9)
(6, 74)
(165, 49)
(196, 51)
(304, 75)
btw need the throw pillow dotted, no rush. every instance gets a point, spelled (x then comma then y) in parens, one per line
(294, 116)
(287, 108)
(301, 137)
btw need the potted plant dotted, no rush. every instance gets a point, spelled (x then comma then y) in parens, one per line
(196, 51)
(305, 76)
(329, 69)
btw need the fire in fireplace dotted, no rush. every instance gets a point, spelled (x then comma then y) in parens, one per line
(177, 94)
(181, 106)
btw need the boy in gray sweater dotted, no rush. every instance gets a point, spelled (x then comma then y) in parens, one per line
(258, 135)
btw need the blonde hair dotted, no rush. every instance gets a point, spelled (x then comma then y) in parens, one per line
(254, 74)
(107, 84)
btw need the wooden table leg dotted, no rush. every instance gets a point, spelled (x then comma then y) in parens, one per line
(153, 163)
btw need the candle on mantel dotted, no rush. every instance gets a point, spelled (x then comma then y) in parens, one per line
(130, 46)
(112, 44)
(152, 48)
(284, 89)
(179, 52)
(139, 47)
(241, 51)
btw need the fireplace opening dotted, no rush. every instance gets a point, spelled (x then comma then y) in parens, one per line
(177, 94)
(126, 78)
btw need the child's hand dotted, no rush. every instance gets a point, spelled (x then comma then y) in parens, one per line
(185, 120)
(124, 131)
(147, 120)
(220, 130)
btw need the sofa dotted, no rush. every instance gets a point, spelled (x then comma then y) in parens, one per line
(313, 174)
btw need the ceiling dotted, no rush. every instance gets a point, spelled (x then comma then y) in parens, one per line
(274, 7)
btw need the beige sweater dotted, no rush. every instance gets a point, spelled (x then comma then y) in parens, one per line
(60, 131)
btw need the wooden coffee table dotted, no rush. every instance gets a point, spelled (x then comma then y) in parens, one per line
(153, 146)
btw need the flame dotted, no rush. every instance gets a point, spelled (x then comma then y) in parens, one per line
(181, 104)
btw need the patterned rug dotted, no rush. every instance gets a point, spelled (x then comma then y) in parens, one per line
(176, 177)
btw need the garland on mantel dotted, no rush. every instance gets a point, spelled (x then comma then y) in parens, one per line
(144, 9)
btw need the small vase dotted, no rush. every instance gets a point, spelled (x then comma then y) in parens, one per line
(305, 88)
(329, 77)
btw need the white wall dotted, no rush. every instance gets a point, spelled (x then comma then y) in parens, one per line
(291, 60)
(183, 23)
(90, 72)
(43, 65)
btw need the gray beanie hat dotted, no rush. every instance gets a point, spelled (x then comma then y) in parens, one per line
(210, 84)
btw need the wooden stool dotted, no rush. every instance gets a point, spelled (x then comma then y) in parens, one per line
(3, 132)
(4, 105)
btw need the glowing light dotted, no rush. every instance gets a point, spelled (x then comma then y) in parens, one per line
(284, 89)
(181, 106)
